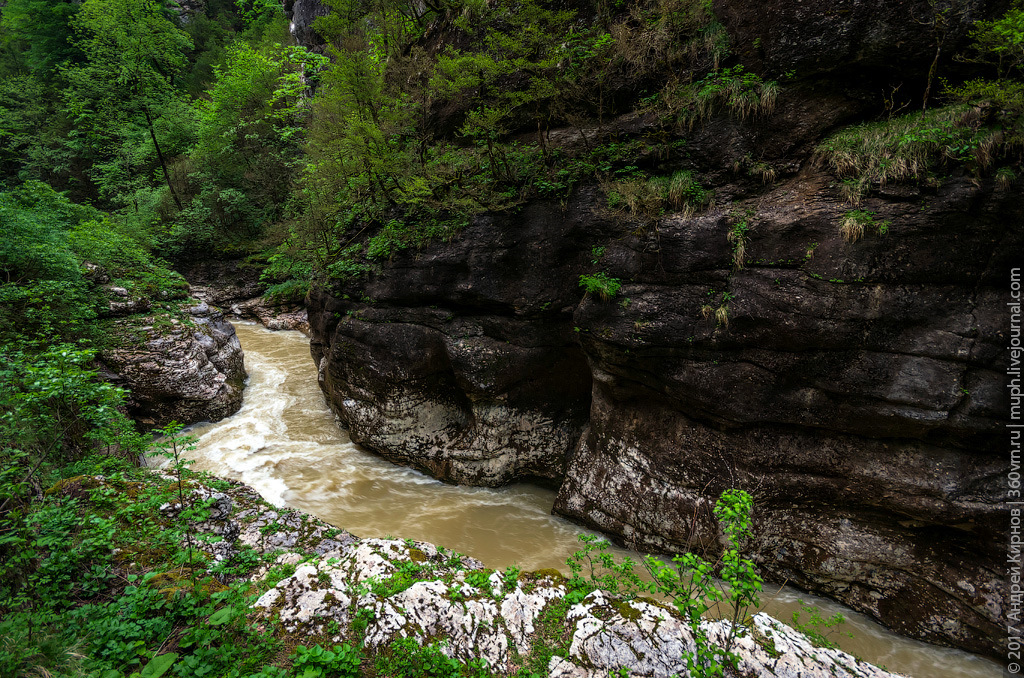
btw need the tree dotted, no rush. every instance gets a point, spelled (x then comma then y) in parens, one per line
(134, 53)
(40, 33)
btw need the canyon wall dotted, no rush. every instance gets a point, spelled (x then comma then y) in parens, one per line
(855, 389)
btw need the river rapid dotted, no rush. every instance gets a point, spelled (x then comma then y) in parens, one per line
(285, 443)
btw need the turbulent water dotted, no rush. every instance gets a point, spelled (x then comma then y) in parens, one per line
(285, 443)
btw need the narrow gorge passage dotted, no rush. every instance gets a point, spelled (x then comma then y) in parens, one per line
(285, 443)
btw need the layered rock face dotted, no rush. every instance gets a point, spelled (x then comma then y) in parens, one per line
(232, 285)
(856, 392)
(855, 389)
(466, 366)
(185, 369)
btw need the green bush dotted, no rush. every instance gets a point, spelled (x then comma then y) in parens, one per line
(600, 283)
(908, 147)
(405, 658)
(855, 224)
(342, 661)
(651, 196)
(688, 582)
(731, 90)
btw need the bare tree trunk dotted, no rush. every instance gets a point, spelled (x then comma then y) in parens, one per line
(160, 156)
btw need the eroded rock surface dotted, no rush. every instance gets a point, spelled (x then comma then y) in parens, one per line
(473, 614)
(237, 288)
(855, 390)
(185, 367)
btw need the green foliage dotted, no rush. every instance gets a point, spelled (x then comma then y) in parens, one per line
(601, 284)
(732, 90)
(247, 150)
(405, 658)
(342, 661)
(35, 243)
(53, 403)
(41, 32)
(593, 568)
(651, 197)
(738, 237)
(510, 576)
(52, 400)
(480, 579)
(909, 147)
(61, 581)
(855, 223)
(23, 113)
(550, 642)
(1000, 42)
(819, 630)
(689, 582)
(377, 159)
(406, 574)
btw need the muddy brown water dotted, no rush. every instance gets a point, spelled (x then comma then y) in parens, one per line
(286, 444)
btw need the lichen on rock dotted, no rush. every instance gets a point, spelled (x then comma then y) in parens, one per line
(470, 613)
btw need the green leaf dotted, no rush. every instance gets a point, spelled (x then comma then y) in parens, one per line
(157, 666)
(222, 616)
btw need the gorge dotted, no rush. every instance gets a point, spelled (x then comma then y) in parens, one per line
(850, 380)
(284, 443)
(641, 264)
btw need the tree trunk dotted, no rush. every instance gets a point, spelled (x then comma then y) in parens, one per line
(160, 156)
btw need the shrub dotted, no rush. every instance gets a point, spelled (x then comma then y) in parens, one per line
(818, 629)
(731, 90)
(907, 147)
(855, 223)
(652, 196)
(601, 284)
(688, 582)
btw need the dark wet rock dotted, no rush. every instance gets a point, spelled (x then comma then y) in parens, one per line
(858, 39)
(855, 391)
(302, 14)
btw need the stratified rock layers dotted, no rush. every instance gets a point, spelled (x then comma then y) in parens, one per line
(185, 368)
(855, 390)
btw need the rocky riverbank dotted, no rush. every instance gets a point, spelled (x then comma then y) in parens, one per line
(374, 592)
(236, 287)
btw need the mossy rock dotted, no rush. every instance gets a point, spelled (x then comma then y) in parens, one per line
(549, 573)
(626, 611)
(76, 487)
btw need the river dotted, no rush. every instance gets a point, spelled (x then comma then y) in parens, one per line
(285, 443)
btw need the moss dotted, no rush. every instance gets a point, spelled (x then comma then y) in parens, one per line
(70, 486)
(145, 555)
(554, 575)
(627, 611)
(417, 556)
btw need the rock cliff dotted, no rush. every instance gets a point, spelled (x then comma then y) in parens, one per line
(178, 357)
(855, 391)
(851, 382)
(181, 365)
